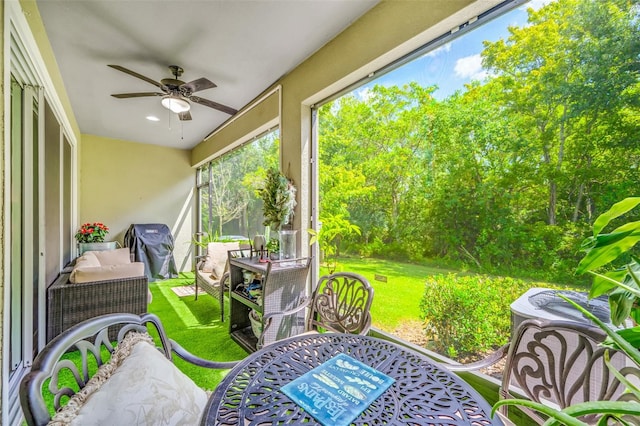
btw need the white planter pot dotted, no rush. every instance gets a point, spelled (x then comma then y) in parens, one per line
(107, 245)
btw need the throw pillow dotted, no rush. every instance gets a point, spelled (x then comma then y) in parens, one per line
(87, 260)
(142, 387)
(207, 263)
(219, 256)
(113, 257)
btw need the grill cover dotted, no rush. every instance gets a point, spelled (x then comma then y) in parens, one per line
(152, 244)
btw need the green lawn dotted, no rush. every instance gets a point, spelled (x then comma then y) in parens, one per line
(196, 324)
(396, 302)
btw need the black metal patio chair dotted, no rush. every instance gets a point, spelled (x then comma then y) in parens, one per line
(559, 363)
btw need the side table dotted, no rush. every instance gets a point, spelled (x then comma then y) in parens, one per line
(284, 285)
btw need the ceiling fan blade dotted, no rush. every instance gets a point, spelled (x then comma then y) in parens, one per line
(135, 74)
(212, 104)
(184, 116)
(199, 84)
(137, 95)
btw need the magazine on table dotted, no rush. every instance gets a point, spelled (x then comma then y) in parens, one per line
(338, 390)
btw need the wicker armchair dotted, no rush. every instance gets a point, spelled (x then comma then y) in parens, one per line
(71, 303)
(216, 254)
(558, 362)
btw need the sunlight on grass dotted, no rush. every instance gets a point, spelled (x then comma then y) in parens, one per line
(396, 303)
(185, 315)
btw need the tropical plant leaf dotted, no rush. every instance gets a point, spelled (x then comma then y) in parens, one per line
(561, 417)
(615, 211)
(631, 335)
(632, 388)
(603, 284)
(620, 304)
(621, 284)
(628, 284)
(314, 236)
(631, 351)
(608, 247)
(604, 407)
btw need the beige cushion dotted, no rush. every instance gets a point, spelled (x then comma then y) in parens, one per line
(108, 272)
(113, 257)
(207, 277)
(87, 260)
(216, 259)
(139, 386)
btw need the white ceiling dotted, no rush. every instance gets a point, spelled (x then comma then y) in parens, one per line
(242, 46)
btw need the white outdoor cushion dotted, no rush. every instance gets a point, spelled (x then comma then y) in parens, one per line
(113, 257)
(87, 260)
(216, 259)
(144, 389)
(108, 272)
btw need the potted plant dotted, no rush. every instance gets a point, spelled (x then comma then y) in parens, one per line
(279, 200)
(91, 237)
(273, 247)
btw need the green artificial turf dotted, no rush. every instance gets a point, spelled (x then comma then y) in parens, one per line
(196, 326)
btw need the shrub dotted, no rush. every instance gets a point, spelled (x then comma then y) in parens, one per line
(469, 315)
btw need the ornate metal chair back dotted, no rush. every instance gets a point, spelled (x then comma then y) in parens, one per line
(341, 303)
(561, 362)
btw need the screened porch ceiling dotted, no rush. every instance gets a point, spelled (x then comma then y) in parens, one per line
(241, 46)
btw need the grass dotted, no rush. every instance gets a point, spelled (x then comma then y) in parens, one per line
(195, 325)
(396, 303)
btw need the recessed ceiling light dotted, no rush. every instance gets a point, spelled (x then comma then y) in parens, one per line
(152, 118)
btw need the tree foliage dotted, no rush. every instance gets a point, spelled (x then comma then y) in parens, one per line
(236, 207)
(508, 174)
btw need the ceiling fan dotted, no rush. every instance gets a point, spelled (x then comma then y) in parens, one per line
(176, 94)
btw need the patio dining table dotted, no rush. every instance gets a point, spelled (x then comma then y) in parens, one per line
(424, 392)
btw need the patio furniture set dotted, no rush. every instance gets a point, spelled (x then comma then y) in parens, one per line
(551, 361)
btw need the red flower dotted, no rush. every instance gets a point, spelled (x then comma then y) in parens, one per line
(92, 232)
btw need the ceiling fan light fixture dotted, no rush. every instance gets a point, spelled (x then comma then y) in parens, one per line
(175, 104)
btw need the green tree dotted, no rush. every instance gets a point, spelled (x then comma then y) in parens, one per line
(507, 173)
(572, 74)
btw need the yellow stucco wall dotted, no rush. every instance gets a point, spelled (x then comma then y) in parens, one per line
(266, 113)
(124, 183)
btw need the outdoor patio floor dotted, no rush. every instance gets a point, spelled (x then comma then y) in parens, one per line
(196, 325)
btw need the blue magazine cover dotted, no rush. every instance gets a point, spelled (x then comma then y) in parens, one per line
(336, 392)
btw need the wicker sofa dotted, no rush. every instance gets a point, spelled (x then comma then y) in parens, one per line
(73, 297)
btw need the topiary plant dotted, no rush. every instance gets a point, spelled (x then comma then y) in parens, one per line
(279, 197)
